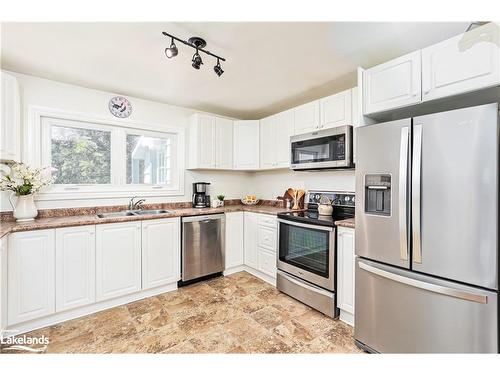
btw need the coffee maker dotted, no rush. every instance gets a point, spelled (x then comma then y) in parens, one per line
(200, 197)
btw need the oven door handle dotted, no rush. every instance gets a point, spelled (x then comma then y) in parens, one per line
(308, 226)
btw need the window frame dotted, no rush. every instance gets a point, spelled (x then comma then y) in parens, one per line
(36, 151)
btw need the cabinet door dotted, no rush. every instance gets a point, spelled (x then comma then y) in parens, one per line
(118, 259)
(202, 141)
(268, 142)
(394, 84)
(246, 144)
(9, 119)
(284, 130)
(267, 262)
(234, 239)
(345, 269)
(75, 267)
(307, 117)
(467, 62)
(31, 275)
(336, 110)
(250, 238)
(223, 143)
(3, 282)
(161, 252)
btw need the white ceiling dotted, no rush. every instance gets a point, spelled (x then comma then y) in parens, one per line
(270, 66)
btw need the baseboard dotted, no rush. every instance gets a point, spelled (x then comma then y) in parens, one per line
(347, 317)
(86, 310)
(232, 270)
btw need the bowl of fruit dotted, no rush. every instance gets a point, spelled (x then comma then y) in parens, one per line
(250, 200)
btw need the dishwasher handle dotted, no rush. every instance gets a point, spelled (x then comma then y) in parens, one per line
(203, 218)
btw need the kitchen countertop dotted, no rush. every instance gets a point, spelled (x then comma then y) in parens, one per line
(348, 223)
(7, 227)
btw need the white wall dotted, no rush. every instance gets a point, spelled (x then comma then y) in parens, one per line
(271, 184)
(266, 185)
(57, 95)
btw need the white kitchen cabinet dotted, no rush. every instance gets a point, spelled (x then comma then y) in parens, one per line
(345, 273)
(336, 110)
(118, 259)
(266, 238)
(464, 63)
(202, 138)
(268, 142)
(31, 275)
(234, 239)
(223, 143)
(356, 119)
(10, 126)
(285, 124)
(246, 144)
(75, 267)
(307, 117)
(393, 84)
(267, 262)
(3, 282)
(161, 252)
(250, 239)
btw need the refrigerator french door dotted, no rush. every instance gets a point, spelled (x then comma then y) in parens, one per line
(426, 233)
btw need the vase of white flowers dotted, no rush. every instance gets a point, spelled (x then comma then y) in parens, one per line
(24, 182)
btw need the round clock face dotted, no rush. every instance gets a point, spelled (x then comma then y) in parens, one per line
(120, 107)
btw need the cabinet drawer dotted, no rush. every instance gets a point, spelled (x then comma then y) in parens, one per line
(266, 238)
(267, 262)
(267, 220)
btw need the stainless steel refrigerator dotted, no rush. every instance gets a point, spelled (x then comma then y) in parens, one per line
(427, 233)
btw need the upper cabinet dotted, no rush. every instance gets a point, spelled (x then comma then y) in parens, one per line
(202, 141)
(467, 62)
(10, 127)
(223, 143)
(246, 145)
(275, 133)
(336, 110)
(307, 117)
(394, 84)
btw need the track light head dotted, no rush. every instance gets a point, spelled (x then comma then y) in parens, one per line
(171, 51)
(196, 61)
(218, 69)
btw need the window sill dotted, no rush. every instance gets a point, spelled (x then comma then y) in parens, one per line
(83, 193)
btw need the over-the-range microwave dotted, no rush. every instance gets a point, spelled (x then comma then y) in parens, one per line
(322, 149)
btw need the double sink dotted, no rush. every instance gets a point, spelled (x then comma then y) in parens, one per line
(132, 213)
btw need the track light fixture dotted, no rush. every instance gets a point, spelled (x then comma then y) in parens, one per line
(171, 51)
(218, 69)
(198, 44)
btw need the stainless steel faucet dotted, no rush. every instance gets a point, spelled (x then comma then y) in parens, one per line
(135, 205)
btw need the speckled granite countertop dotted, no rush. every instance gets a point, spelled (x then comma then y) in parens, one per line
(7, 227)
(348, 223)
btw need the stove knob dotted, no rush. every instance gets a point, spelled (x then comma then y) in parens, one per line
(317, 197)
(347, 199)
(352, 200)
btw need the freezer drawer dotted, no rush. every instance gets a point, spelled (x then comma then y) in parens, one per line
(399, 311)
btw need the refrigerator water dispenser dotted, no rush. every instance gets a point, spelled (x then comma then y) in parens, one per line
(378, 194)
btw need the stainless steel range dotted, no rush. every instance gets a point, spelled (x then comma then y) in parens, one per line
(307, 251)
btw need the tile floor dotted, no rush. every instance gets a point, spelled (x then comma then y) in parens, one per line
(234, 314)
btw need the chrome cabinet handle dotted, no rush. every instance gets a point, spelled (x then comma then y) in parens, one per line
(415, 192)
(403, 183)
(452, 292)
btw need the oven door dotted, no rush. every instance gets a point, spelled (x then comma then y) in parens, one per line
(330, 148)
(308, 252)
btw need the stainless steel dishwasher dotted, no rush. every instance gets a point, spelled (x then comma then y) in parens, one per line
(203, 246)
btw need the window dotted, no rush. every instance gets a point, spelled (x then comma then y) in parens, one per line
(80, 156)
(148, 160)
(110, 160)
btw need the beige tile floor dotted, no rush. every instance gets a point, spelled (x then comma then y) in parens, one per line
(233, 314)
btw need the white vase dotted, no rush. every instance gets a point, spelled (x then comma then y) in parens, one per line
(24, 209)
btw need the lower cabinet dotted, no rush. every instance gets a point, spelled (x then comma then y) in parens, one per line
(234, 255)
(31, 275)
(118, 259)
(267, 262)
(3, 282)
(250, 239)
(161, 252)
(75, 267)
(345, 273)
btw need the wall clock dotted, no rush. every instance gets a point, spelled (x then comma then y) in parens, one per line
(120, 107)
